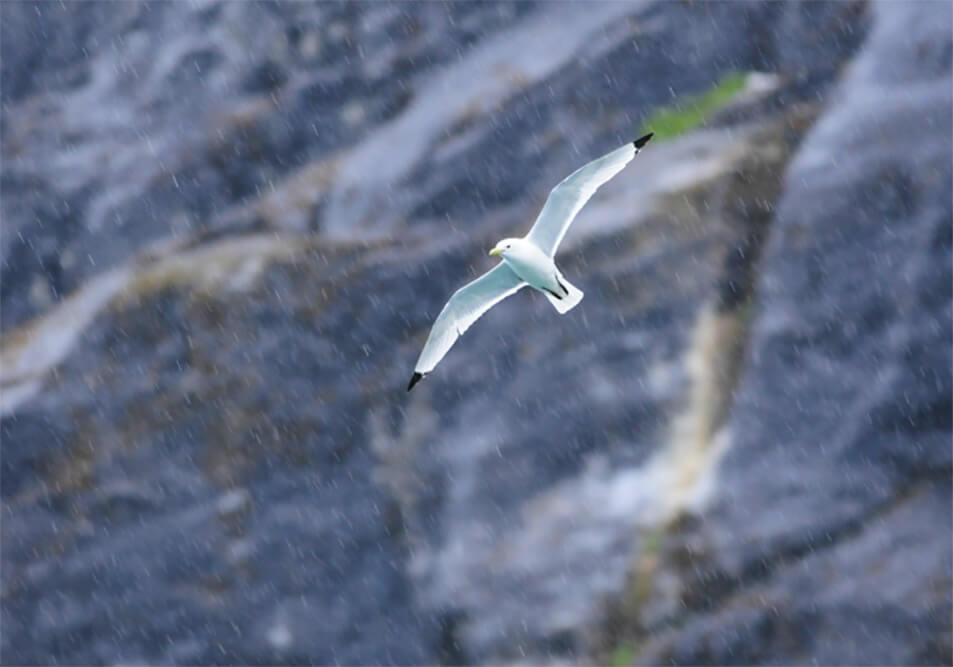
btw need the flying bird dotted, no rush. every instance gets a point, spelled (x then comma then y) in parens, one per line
(526, 261)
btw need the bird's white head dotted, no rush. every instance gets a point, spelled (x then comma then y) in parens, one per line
(503, 246)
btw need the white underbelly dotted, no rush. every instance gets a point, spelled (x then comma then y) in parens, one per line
(537, 271)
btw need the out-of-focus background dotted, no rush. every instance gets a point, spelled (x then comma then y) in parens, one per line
(228, 226)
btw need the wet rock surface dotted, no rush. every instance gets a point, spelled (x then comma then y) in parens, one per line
(736, 449)
(841, 422)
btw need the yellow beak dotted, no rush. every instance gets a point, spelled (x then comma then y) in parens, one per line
(496, 251)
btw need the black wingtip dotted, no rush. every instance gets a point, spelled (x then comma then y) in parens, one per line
(414, 379)
(641, 141)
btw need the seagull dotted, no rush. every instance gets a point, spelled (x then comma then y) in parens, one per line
(526, 261)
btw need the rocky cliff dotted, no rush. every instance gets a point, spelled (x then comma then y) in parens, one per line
(227, 228)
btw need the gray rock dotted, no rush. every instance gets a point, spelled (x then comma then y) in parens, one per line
(829, 536)
(154, 120)
(223, 466)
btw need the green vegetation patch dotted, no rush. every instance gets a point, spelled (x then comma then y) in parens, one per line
(622, 656)
(669, 122)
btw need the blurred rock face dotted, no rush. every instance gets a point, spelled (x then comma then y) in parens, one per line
(228, 227)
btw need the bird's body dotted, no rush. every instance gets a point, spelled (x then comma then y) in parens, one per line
(526, 261)
(532, 266)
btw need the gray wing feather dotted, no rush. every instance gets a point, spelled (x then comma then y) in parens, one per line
(463, 309)
(566, 199)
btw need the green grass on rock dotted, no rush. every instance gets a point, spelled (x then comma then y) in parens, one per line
(691, 112)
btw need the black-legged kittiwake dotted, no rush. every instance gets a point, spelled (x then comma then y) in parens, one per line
(526, 261)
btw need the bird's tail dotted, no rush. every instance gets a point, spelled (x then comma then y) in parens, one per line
(570, 295)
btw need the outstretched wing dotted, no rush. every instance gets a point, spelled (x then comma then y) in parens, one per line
(572, 193)
(463, 309)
